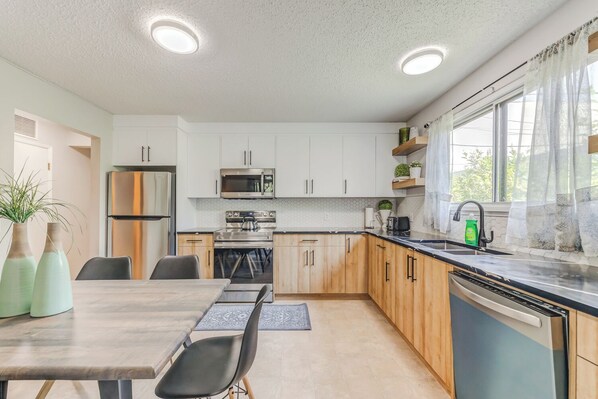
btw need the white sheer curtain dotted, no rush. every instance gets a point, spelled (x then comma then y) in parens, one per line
(438, 180)
(554, 204)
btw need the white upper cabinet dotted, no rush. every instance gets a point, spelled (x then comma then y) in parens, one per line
(262, 151)
(233, 151)
(292, 166)
(326, 166)
(247, 151)
(203, 166)
(359, 166)
(385, 165)
(161, 146)
(143, 146)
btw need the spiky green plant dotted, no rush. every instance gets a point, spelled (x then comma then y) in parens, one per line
(22, 199)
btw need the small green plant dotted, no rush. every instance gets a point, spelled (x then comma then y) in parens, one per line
(415, 164)
(385, 205)
(401, 170)
(22, 199)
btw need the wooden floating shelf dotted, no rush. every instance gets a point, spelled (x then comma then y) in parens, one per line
(416, 143)
(410, 183)
(593, 144)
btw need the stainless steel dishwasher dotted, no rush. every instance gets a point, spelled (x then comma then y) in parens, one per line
(505, 345)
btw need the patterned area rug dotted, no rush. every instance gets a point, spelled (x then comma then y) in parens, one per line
(225, 317)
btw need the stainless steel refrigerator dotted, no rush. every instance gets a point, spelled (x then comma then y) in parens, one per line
(141, 218)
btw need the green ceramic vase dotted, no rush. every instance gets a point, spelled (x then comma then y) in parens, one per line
(18, 273)
(52, 291)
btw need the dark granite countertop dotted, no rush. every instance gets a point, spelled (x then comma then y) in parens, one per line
(570, 284)
(319, 230)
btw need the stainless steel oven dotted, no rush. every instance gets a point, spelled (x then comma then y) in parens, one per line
(247, 183)
(245, 256)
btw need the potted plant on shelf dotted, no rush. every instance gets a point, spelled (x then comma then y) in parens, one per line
(402, 172)
(415, 169)
(384, 211)
(23, 288)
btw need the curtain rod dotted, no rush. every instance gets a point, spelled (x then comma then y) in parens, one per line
(427, 125)
(489, 85)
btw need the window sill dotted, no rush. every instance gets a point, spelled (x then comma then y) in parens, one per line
(492, 209)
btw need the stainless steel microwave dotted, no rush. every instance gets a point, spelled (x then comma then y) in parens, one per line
(247, 183)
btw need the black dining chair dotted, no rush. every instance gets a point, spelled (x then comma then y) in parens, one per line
(176, 267)
(99, 268)
(215, 365)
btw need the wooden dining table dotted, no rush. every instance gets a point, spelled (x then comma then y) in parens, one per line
(118, 331)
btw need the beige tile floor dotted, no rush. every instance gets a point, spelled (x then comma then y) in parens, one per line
(351, 352)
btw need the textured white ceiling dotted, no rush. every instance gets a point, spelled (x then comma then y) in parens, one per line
(261, 60)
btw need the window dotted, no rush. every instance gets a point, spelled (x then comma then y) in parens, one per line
(484, 152)
(593, 75)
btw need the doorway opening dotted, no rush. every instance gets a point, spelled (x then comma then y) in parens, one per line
(66, 162)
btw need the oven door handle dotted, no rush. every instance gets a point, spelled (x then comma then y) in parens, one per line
(244, 244)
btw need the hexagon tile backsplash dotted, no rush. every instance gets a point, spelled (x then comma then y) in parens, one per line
(291, 212)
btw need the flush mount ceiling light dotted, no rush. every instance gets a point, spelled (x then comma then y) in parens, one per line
(422, 62)
(175, 37)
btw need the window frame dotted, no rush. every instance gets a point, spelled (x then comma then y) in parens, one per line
(499, 143)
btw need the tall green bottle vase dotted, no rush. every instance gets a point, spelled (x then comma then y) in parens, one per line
(18, 273)
(52, 291)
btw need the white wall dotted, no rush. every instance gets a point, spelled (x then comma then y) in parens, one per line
(569, 17)
(24, 91)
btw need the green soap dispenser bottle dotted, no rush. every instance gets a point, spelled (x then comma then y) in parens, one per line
(471, 231)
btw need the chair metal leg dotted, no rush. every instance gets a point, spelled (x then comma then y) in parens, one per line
(3, 389)
(252, 266)
(45, 389)
(221, 262)
(248, 387)
(236, 266)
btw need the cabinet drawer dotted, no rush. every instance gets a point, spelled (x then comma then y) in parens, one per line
(587, 333)
(587, 379)
(198, 240)
(311, 240)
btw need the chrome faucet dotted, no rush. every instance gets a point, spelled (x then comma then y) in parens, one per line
(482, 240)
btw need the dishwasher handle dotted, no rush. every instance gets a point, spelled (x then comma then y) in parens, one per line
(499, 308)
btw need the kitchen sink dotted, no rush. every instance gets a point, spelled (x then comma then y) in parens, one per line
(455, 248)
(444, 245)
(465, 252)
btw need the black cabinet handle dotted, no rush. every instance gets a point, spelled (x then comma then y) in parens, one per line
(244, 157)
(148, 153)
(386, 271)
(348, 245)
(142, 153)
(250, 163)
(408, 266)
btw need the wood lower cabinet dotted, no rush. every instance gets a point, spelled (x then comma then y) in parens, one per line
(423, 310)
(382, 271)
(309, 264)
(436, 328)
(587, 357)
(201, 245)
(404, 292)
(587, 379)
(356, 257)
